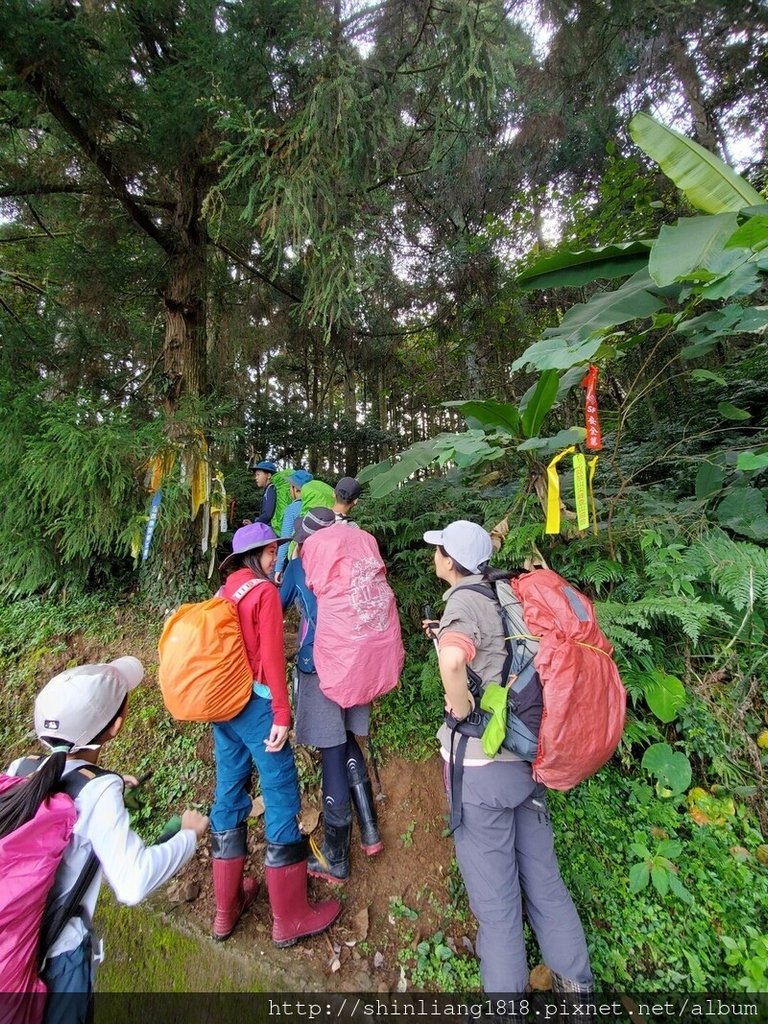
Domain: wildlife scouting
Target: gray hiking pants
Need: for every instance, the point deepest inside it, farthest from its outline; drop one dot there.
(504, 847)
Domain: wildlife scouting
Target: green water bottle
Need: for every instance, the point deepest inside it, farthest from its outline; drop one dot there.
(171, 827)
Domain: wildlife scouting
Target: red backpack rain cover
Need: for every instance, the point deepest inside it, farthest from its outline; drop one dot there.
(29, 857)
(584, 698)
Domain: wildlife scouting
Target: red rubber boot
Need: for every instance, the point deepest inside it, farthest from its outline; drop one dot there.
(294, 917)
(232, 892)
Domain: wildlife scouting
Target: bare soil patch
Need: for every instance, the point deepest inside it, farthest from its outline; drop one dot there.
(360, 952)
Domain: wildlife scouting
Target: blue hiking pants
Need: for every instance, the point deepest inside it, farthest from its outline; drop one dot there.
(67, 977)
(239, 744)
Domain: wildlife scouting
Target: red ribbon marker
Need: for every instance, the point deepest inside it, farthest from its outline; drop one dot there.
(594, 441)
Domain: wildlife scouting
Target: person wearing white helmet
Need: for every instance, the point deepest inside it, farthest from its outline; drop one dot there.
(503, 836)
(76, 714)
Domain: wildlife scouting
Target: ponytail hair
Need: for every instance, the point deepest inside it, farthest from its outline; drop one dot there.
(491, 575)
(19, 803)
(252, 560)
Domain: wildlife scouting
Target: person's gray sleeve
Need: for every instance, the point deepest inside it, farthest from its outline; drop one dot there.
(458, 618)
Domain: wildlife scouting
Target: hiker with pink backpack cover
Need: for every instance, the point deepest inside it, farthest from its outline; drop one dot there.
(350, 653)
(64, 827)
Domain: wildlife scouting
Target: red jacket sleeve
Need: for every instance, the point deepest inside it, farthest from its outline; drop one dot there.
(262, 626)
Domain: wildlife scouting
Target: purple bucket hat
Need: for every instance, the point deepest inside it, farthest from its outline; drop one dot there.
(249, 538)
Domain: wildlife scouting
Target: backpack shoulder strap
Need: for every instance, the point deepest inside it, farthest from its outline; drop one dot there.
(28, 764)
(489, 590)
(73, 782)
(68, 903)
(246, 588)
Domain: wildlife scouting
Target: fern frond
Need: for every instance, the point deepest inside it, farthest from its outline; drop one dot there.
(599, 571)
(738, 570)
(692, 615)
(626, 641)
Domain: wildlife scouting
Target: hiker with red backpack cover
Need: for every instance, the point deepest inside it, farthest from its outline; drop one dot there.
(323, 723)
(64, 826)
(503, 836)
(258, 734)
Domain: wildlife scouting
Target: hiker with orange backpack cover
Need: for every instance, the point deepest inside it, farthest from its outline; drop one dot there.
(258, 735)
(504, 842)
(64, 814)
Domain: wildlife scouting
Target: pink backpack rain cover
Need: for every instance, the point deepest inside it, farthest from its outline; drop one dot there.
(358, 648)
(584, 698)
(29, 857)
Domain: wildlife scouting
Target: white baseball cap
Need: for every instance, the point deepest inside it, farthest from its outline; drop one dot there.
(466, 543)
(78, 703)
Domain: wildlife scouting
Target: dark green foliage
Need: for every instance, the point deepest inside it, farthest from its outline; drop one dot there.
(68, 489)
(372, 180)
(649, 942)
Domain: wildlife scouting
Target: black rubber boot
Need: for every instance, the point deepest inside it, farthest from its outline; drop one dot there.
(362, 799)
(330, 861)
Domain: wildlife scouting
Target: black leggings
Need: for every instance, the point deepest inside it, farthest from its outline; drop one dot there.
(336, 762)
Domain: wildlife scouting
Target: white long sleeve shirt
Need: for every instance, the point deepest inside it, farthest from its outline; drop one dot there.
(131, 868)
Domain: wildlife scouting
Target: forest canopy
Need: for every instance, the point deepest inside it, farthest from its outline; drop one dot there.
(307, 231)
(501, 260)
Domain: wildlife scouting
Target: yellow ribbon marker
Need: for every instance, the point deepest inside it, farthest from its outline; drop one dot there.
(580, 490)
(592, 467)
(200, 489)
(553, 492)
(160, 466)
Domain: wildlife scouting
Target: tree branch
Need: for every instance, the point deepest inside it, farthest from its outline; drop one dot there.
(101, 159)
(54, 188)
(256, 272)
(32, 238)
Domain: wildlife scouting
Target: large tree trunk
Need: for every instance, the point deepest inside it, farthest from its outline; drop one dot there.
(180, 554)
(185, 350)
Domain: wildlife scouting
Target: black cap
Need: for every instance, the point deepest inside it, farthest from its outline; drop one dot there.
(316, 519)
(347, 489)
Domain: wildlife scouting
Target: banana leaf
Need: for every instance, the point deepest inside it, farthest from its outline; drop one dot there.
(577, 267)
(707, 182)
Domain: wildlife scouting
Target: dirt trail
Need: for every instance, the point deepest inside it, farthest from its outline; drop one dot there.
(359, 952)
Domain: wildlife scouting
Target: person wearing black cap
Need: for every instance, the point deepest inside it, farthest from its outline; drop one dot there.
(263, 473)
(321, 722)
(346, 492)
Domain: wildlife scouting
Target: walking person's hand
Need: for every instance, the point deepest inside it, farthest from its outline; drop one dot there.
(196, 821)
(429, 624)
(277, 738)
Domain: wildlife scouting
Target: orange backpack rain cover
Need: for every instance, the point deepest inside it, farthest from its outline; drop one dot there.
(204, 673)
